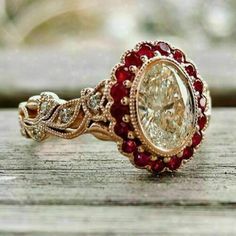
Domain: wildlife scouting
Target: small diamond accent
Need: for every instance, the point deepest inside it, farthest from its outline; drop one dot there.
(65, 115)
(94, 101)
(37, 133)
(44, 108)
(47, 103)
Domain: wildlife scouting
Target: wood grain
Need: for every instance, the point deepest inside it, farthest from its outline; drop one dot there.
(116, 220)
(85, 186)
(24, 73)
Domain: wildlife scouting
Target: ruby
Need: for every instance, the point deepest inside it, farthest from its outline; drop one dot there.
(202, 103)
(118, 111)
(191, 70)
(174, 163)
(202, 120)
(187, 152)
(129, 146)
(197, 138)
(178, 55)
(198, 85)
(118, 91)
(141, 158)
(121, 129)
(132, 59)
(158, 166)
(146, 50)
(163, 48)
(122, 73)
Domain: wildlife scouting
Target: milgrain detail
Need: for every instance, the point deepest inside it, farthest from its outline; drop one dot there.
(47, 114)
(140, 150)
(110, 111)
(134, 106)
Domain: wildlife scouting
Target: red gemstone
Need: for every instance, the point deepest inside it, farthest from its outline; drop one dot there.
(132, 59)
(129, 146)
(187, 153)
(118, 111)
(118, 91)
(202, 121)
(202, 102)
(198, 85)
(191, 70)
(197, 138)
(122, 73)
(178, 55)
(121, 129)
(174, 163)
(141, 158)
(158, 166)
(146, 50)
(163, 48)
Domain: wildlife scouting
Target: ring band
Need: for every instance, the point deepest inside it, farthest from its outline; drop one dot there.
(155, 106)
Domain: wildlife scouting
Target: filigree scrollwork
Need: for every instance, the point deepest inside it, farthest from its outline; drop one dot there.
(47, 114)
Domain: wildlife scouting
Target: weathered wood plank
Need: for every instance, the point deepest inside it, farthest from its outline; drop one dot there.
(116, 220)
(87, 171)
(28, 72)
(85, 186)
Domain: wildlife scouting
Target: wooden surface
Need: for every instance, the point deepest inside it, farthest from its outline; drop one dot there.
(24, 73)
(85, 187)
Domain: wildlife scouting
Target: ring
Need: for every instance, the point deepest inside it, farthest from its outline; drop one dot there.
(155, 106)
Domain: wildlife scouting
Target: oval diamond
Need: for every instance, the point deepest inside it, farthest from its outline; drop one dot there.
(165, 106)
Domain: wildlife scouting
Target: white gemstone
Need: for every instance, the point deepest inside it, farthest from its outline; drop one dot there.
(65, 115)
(94, 101)
(165, 106)
(44, 108)
(37, 133)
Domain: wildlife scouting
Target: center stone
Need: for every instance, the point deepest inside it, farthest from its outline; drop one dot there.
(165, 106)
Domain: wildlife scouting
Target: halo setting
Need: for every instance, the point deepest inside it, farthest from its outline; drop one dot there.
(168, 109)
(155, 106)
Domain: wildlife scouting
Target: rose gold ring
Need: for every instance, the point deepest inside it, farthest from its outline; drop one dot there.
(155, 106)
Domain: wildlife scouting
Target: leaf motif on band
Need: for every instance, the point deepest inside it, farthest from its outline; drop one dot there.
(47, 114)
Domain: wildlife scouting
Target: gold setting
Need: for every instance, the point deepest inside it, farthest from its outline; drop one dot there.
(133, 107)
(41, 116)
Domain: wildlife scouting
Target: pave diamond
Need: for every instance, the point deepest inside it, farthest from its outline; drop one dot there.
(165, 106)
(37, 133)
(48, 101)
(94, 101)
(44, 108)
(65, 115)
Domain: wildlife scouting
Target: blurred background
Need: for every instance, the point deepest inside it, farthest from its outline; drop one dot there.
(65, 45)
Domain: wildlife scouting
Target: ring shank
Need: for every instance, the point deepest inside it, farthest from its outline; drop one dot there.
(48, 115)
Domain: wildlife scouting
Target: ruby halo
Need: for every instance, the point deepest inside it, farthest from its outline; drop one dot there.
(159, 105)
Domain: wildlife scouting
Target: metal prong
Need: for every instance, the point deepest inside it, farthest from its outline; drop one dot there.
(140, 149)
(125, 101)
(166, 159)
(153, 158)
(157, 53)
(144, 58)
(126, 118)
(134, 69)
(180, 154)
(127, 83)
(131, 135)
